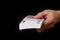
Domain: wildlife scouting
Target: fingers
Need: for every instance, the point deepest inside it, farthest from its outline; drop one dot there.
(45, 28)
(49, 22)
(38, 30)
(40, 15)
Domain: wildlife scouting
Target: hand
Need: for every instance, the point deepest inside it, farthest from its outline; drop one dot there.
(51, 18)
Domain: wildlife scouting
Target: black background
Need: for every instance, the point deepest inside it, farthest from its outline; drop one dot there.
(10, 19)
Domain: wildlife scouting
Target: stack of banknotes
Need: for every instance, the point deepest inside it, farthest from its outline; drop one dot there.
(29, 22)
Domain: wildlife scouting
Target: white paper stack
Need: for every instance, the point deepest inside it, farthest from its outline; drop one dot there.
(30, 23)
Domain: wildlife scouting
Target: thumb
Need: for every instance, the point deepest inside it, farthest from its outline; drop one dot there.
(40, 15)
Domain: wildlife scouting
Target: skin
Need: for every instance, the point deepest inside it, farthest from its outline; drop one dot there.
(51, 18)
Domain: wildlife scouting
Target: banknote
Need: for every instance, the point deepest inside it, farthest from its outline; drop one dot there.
(29, 22)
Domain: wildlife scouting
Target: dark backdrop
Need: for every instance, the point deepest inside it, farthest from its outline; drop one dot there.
(10, 19)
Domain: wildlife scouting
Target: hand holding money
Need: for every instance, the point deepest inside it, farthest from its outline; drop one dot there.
(42, 21)
(51, 18)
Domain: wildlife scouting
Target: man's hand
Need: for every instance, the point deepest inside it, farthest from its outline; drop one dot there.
(51, 18)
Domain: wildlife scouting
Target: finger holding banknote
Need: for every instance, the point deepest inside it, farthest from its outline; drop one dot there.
(51, 18)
